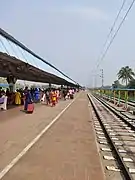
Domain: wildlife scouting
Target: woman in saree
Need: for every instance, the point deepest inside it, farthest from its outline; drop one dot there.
(28, 99)
(18, 98)
(53, 98)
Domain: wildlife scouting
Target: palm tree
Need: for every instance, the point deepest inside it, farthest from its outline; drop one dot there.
(126, 74)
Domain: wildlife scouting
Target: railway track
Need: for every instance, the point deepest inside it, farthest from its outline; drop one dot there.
(117, 135)
(127, 113)
(130, 103)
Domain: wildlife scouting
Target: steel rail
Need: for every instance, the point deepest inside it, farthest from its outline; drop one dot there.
(130, 103)
(120, 161)
(116, 113)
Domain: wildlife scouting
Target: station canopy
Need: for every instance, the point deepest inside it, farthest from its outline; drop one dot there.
(17, 60)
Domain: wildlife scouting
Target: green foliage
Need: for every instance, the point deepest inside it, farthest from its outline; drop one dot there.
(126, 74)
(131, 84)
(117, 84)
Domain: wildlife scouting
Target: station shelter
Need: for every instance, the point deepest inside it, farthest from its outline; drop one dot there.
(19, 62)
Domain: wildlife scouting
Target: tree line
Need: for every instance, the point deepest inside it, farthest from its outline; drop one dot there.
(127, 77)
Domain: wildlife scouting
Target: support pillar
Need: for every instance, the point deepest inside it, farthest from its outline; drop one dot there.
(50, 85)
(126, 100)
(119, 97)
(11, 81)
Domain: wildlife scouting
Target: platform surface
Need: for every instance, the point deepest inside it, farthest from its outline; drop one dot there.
(67, 151)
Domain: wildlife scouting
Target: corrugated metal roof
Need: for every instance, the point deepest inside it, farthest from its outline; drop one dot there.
(9, 37)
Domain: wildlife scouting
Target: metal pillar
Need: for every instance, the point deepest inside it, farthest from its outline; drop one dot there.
(11, 81)
(50, 85)
(102, 76)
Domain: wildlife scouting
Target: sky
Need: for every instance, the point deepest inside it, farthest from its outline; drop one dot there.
(70, 34)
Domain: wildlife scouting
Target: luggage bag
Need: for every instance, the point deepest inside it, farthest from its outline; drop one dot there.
(71, 96)
(30, 108)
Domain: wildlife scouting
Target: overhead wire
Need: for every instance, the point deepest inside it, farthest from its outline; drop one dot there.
(112, 27)
(115, 34)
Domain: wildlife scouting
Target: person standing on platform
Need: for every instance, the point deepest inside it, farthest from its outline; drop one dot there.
(37, 95)
(47, 96)
(73, 91)
(53, 98)
(8, 94)
(18, 98)
(64, 94)
(32, 93)
(70, 93)
(57, 95)
(28, 98)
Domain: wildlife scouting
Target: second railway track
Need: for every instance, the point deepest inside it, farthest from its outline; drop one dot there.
(118, 133)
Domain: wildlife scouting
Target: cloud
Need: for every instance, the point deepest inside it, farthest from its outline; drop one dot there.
(88, 13)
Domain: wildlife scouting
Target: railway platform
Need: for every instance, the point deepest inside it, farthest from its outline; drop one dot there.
(53, 143)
